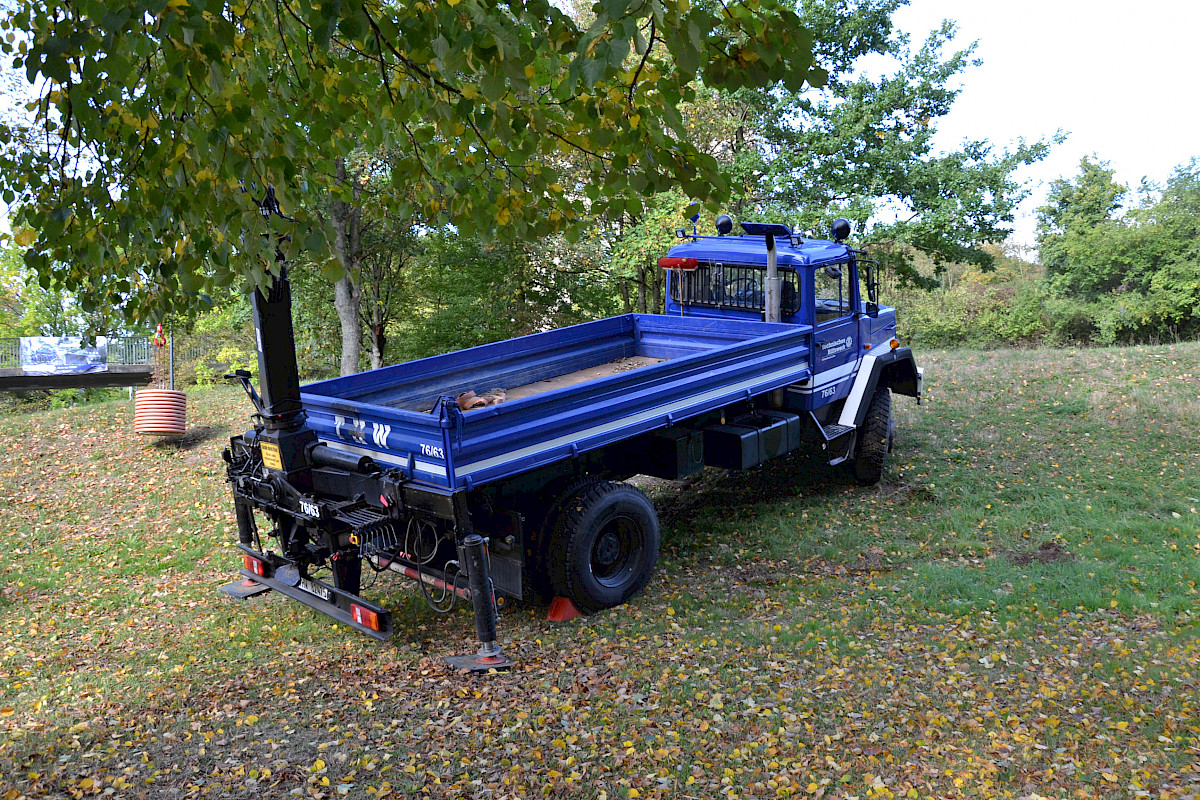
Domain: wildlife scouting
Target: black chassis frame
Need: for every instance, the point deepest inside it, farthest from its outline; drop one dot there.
(329, 525)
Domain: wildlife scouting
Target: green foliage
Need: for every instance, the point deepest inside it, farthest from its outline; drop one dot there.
(315, 322)
(864, 149)
(69, 398)
(38, 400)
(29, 309)
(212, 365)
(652, 236)
(1138, 271)
(1080, 239)
(12, 301)
(459, 298)
(165, 120)
(220, 339)
(462, 292)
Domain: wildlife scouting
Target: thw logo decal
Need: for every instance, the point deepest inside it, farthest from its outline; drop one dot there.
(380, 433)
(353, 429)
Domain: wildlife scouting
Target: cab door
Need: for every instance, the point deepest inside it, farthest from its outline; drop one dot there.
(836, 339)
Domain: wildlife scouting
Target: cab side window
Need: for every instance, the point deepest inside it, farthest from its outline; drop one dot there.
(831, 285)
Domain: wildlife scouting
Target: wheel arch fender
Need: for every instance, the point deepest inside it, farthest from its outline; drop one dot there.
(896, 370)
(900, 373)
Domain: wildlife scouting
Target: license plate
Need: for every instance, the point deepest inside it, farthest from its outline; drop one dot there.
(312, 587)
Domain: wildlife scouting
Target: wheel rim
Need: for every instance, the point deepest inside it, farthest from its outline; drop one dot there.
(616, 552)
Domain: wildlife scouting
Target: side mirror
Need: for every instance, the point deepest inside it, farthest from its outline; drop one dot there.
(840, 229)
(872, 310)
(833, 271)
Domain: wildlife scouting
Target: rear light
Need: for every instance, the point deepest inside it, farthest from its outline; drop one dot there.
(673, 262)
(364, 616)
(254, 565)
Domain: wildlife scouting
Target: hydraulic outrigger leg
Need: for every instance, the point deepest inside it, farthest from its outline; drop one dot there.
(246, 587)
(473, 553)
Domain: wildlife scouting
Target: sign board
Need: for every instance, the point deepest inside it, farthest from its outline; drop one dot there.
(62, 355)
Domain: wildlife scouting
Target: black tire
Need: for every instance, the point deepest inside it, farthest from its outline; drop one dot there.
(604, 546)
(543, 514)
(874, 439)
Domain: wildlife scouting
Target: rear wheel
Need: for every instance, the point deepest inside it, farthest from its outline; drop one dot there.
(604, 546)
(544, 513)
(874, 439)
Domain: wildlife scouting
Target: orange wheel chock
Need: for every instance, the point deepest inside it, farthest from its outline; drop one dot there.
(562, 610)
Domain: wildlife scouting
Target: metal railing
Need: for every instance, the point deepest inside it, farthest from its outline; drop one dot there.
(122, 350)
(10, 352)
(130, 350)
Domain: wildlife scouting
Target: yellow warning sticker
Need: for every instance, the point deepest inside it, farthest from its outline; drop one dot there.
(270, 454)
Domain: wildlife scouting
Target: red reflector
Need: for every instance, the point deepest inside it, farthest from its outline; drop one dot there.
(253, 564)
(364, 616)
(673, 262)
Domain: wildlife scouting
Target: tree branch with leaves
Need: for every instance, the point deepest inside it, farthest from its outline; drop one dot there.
(172, 114)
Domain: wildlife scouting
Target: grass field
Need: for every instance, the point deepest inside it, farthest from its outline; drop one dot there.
(1013, 612)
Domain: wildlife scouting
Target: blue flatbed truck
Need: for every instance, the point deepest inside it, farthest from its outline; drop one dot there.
(524, 498)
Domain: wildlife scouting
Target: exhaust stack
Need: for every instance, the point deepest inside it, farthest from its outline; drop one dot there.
(774, 282)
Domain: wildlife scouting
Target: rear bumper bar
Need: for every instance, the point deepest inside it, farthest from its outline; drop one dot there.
(337, 606)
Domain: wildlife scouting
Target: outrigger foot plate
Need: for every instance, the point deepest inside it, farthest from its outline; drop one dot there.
(478, 662)
(242, 589)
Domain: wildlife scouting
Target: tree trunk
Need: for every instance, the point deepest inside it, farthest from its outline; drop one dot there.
(347, 297)
(625, 295)
(641, 300)
(378, 341)
(657, 272)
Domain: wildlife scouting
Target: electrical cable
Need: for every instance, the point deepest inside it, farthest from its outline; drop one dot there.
(419, 546)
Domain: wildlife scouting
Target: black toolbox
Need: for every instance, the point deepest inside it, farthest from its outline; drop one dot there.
(751, 439)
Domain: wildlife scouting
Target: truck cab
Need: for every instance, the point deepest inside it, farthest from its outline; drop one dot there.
(824, 284)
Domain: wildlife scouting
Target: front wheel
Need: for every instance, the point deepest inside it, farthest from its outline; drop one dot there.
(874, 439)
(604, 546)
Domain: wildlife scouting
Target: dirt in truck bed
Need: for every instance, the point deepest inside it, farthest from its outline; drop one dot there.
(563, 381)
(580, 376)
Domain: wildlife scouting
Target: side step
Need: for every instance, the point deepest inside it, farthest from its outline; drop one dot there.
(834, 431)
(836, 439)
(831, 432)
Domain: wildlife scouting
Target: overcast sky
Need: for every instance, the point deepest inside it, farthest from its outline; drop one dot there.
(1121, 79)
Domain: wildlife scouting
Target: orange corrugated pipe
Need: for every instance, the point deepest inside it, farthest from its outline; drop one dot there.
(159, 412)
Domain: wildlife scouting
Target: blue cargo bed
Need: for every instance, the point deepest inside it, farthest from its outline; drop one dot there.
(681, 367)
